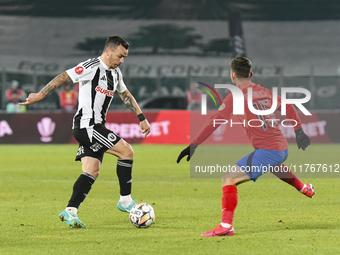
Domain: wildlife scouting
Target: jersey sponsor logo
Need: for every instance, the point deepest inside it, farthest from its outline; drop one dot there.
(79, 70)
(82, 76)
(109, 93)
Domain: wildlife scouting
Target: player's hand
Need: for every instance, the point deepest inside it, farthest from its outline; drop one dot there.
(33, 98)
(188, 151)
(302, 139)
(145, 127)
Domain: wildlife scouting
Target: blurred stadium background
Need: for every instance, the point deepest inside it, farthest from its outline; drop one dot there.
(291, 43)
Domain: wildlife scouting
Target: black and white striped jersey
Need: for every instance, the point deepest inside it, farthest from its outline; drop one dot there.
(97, 85)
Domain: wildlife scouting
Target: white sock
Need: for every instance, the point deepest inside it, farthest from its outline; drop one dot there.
(225, 225)
(72, 210)
(126, 200)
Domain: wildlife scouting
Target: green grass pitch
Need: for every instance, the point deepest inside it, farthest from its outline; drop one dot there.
(271, 218)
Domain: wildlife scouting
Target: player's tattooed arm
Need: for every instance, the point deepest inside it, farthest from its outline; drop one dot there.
(55, 83)
(52, 85)
(130, 102)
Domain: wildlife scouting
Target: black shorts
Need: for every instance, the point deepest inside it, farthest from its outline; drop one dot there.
(94, 141)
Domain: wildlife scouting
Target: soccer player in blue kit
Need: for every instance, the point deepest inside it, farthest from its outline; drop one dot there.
(271, 147)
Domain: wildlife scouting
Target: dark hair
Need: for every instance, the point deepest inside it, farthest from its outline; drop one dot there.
(241, 66)
(114, 41)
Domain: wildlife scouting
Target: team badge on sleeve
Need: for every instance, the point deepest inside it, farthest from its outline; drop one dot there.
(79, 70)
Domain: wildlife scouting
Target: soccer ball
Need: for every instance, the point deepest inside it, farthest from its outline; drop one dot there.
(142, 215)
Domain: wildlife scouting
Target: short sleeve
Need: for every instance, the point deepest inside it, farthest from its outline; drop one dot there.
(121, 87)
(80, 73)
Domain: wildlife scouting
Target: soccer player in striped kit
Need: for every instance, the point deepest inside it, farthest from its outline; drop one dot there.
(98, 79)
(271, 147)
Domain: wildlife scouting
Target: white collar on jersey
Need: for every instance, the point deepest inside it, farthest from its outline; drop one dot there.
(104, 65)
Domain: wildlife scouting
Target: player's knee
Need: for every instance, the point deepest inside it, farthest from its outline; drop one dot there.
(128, 152)
(95, 173)
(91, 167)
(229, 181)
(92, 172)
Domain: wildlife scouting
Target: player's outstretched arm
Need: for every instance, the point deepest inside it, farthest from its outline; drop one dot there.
(132, 104)
(302, 139)
(188, 151)
(52, 85)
